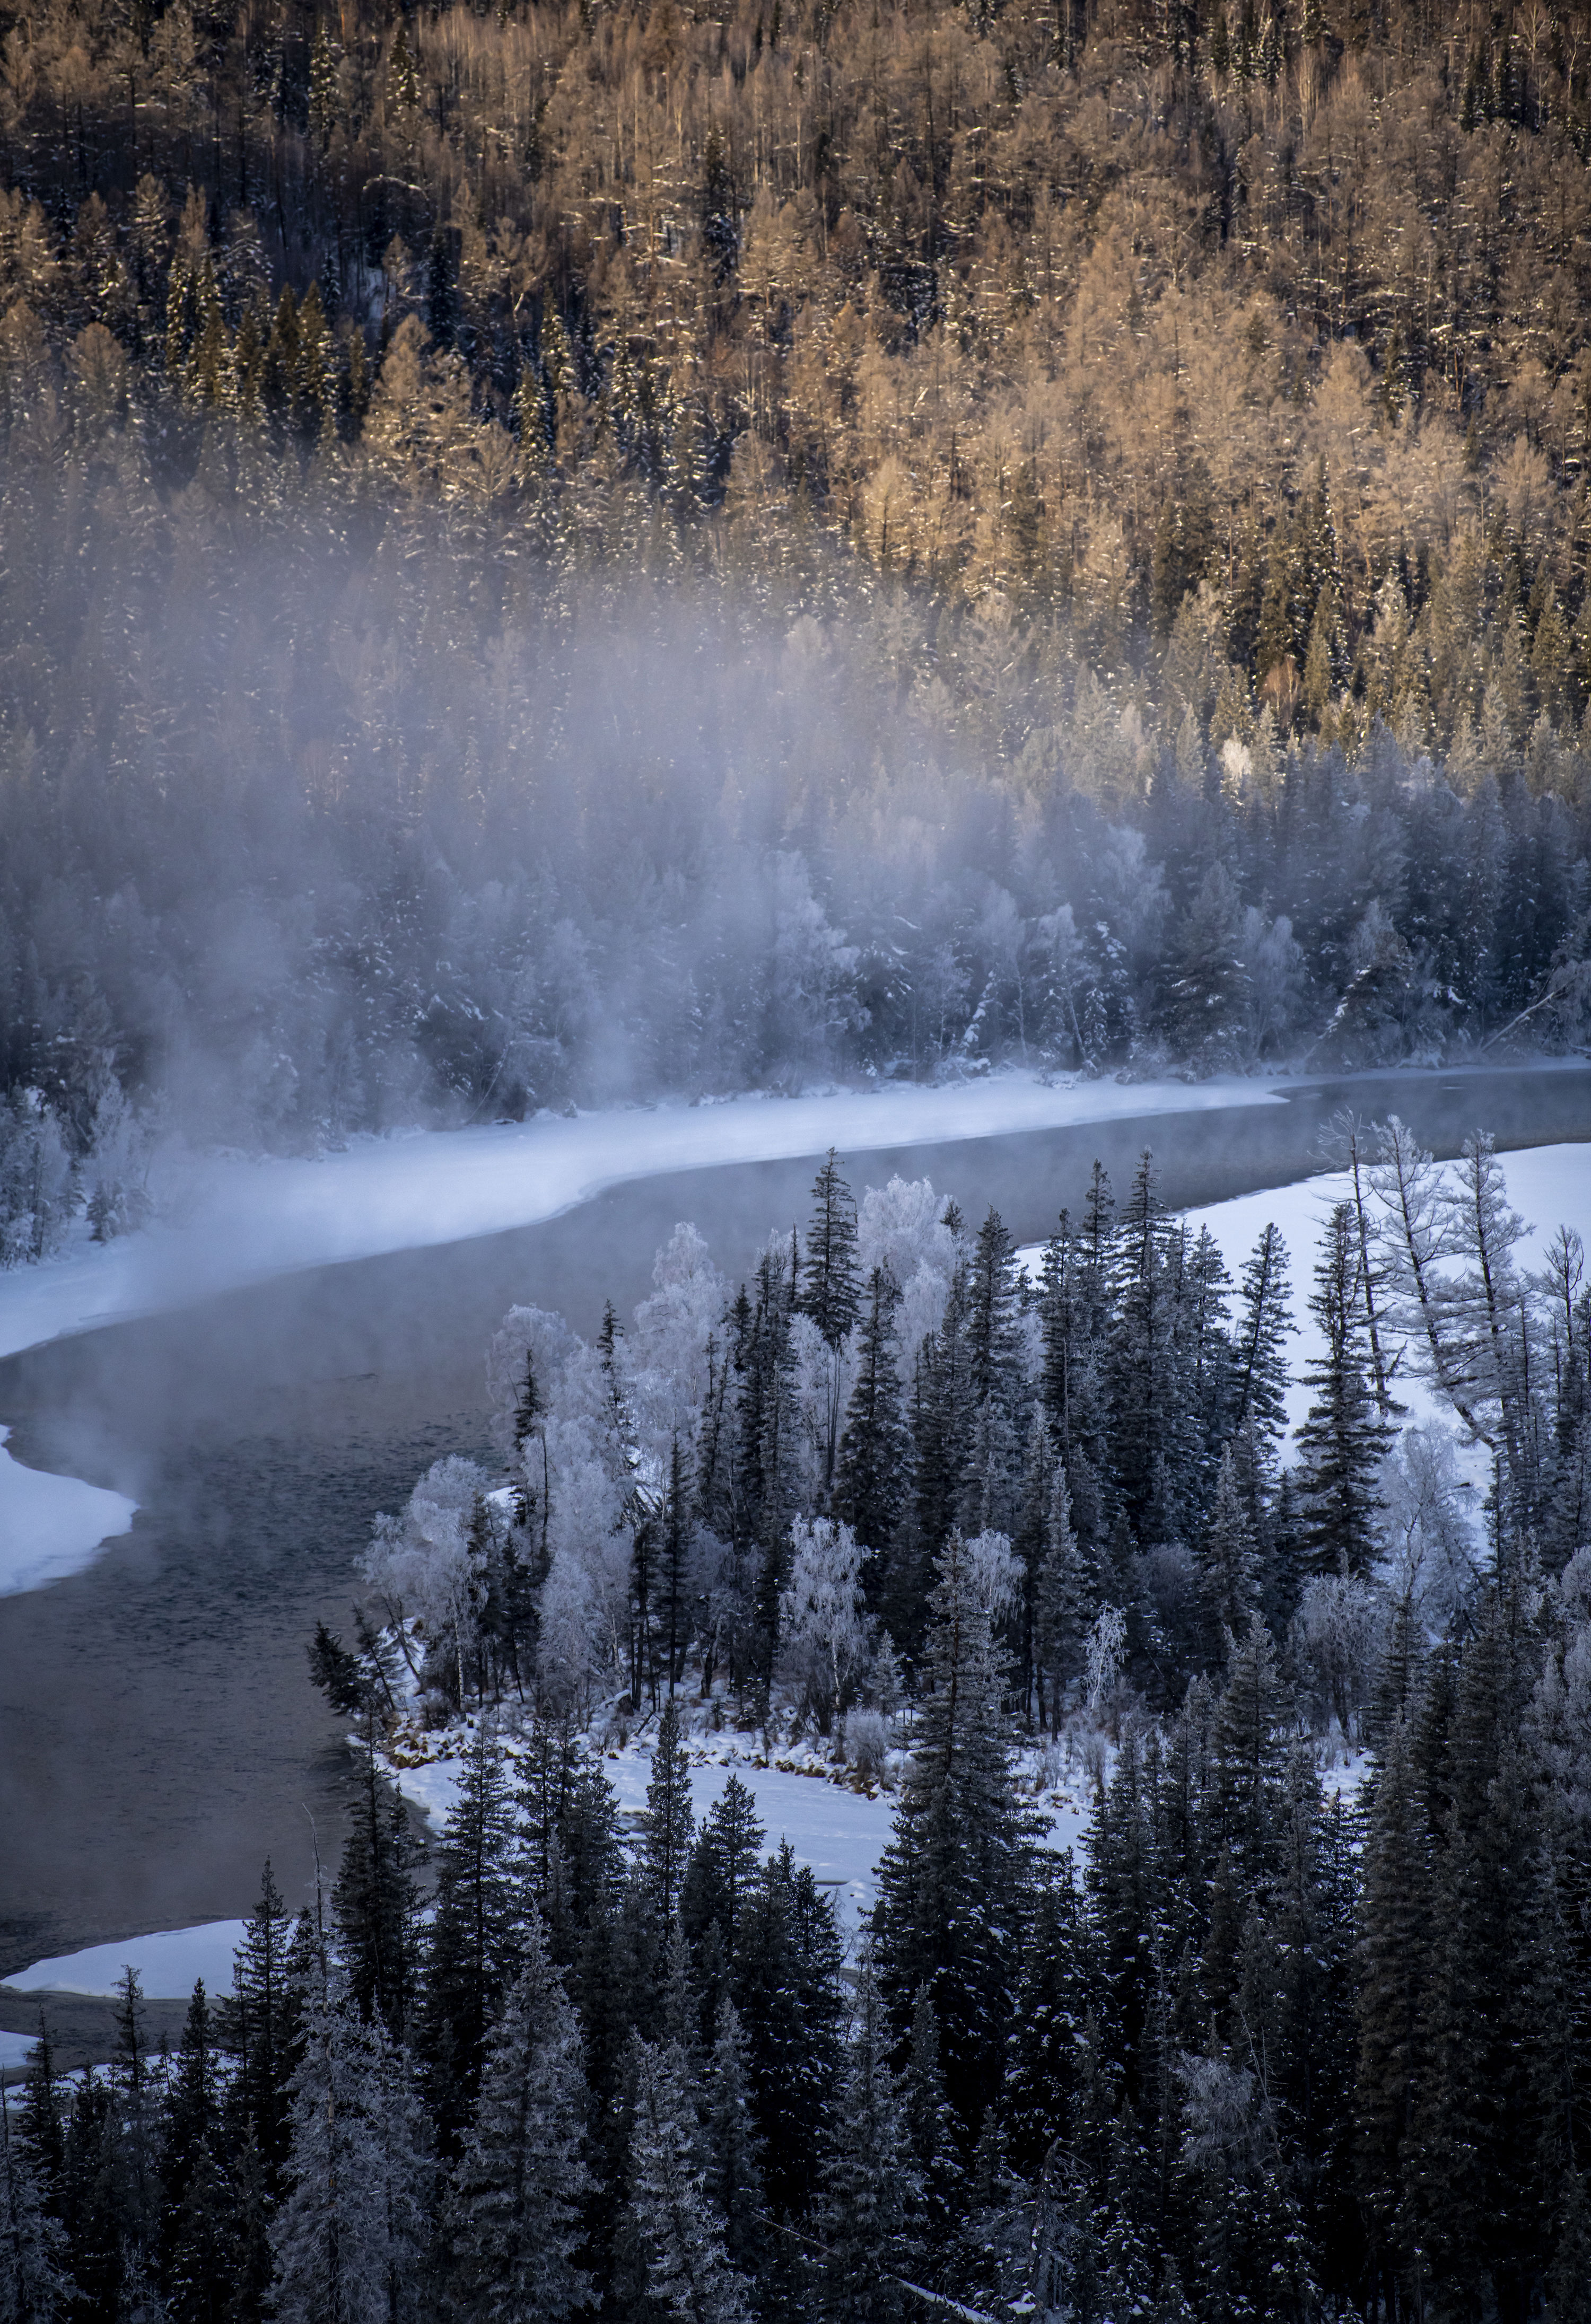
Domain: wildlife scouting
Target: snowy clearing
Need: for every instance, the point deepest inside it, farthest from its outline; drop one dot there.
(228, 1222)
(50, 1526)
(841, 1832)
(167, 1964)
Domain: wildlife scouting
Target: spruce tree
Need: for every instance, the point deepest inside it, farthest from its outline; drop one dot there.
(349, 2233)
(681, 2234)
(956, 1880)
(514, 2210)
(721, 1876)
(669, 1822)
(734, 2177)
(1343, 1439)
(474, 1946)
(871, 1472)
(785, 1980)
(373, 1904)
(830, 1287)
(34, 2287)
(870, 2192)
(262, 2028)
(198, 2227)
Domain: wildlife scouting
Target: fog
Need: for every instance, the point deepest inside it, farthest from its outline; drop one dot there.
(310, 827)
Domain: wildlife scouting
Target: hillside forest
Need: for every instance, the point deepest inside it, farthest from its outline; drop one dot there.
(566, 552)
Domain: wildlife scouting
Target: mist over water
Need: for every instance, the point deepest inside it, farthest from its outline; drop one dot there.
(161, 1735)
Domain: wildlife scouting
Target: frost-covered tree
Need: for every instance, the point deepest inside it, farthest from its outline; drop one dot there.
(870, 2188)
(954, 1883)
(515, 2206)
(823, 1626)
(681, 2235)
(34, 2287)
(351, 2229)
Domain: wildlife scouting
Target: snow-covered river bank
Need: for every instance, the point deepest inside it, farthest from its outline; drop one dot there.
(158, 1734)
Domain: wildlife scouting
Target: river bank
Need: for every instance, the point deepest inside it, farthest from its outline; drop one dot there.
(158, 1733)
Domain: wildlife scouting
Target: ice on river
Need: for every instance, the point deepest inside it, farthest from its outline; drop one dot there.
(167, 1964)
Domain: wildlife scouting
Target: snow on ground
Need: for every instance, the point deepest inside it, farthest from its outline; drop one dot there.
(839, 1831)
(167, 1964)
(14, 2049)
(227, 1221)
(50, 1525)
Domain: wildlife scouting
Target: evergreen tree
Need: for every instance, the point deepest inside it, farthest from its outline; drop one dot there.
(687, 2271)
(870, 2192)
(1343, 1440)
(373, 1904)
(785, 1980)
(721, 1876)
(955, 1881)
(474, 1933)
(262, 2028)
(669, 1822)
(1045, 2035)
(871, 1475)
(830, 1288)
(514, 2210)
(200, 2235)
(734, 2179)
(349, 2233)
(33, 2288)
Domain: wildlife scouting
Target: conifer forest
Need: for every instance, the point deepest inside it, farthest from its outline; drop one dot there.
(560, 553)
(1275, 2043)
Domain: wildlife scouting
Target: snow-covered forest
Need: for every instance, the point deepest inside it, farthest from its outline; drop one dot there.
(1304, 2033)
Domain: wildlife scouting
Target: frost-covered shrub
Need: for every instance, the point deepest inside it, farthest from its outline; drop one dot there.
(867, 1742)
(1336, 1639)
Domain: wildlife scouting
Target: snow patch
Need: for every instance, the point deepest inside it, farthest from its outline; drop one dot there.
(167, 1964)
(51, 1526)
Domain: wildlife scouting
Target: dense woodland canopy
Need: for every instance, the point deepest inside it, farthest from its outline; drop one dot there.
(570, 552)
(1271, 2050)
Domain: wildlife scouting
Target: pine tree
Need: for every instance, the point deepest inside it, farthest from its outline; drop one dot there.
(721, 1876)
(669, 1825)
(830, 1290)
(785, 1979)
(687, 2271)
(1046, 2028)
(734, 2177)
(375, 1904)
(34, 2287)
(1343, 1438)
(993, 1384)
(261, 2027)
(870, 2192)
(1259, 1367)
(349, 2235)
(198, 2228)
(473, 1951)
(870, 1476)
(956, 1880)
(514, 2210)
(1229, 1561)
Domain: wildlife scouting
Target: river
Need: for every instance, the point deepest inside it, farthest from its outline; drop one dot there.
(159, 1736)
